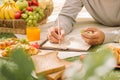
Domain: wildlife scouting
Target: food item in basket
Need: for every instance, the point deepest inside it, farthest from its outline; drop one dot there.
(28, 48)
(35, 2)
(32, 12)
(46, 3)
(32, 15)
(17, 15)
(21, 4)
(29, 8)
(29, 2)
(8, 10)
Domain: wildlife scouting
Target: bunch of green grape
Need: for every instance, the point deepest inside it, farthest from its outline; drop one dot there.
(32, 17)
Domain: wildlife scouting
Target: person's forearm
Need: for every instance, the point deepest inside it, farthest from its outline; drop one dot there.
(66, 23)
(68, 14)
(112, 36)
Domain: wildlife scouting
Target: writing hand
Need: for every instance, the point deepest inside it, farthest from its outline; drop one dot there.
(56, 35)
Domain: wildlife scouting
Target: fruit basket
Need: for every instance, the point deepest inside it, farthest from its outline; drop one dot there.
(17, 24)
(48, 11)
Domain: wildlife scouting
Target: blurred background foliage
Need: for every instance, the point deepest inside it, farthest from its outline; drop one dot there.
(98, 57)
(97, 65)
(18, 66)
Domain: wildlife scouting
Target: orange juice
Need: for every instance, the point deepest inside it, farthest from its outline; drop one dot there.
(33, 33)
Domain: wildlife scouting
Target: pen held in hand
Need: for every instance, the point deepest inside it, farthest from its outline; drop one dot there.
(59, 33)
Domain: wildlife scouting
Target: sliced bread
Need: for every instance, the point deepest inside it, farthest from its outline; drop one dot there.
(48, 63)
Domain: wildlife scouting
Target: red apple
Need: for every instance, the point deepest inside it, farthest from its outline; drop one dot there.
(34, 0)
(29, 3)
(17, 15)
(19, 11)
(29, 8)
(35, 3)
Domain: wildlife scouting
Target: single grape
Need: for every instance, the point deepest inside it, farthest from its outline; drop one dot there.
(30, 13)
(35, 17)
(40, 17)
(34, 22)
(24, 10)
(30, 21)
(27, 19)
(41, 14)
(31, 17)
(24, 16)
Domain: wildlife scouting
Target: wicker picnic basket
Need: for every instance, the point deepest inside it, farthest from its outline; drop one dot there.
(18, 26)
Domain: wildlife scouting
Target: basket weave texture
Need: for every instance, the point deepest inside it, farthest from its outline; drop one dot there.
(18, 26)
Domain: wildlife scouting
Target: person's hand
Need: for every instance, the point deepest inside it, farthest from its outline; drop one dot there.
(93, 36)
(56, 35)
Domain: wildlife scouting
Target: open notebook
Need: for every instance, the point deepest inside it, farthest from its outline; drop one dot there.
(71, 42)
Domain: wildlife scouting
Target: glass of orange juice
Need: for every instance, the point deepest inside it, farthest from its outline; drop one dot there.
(33, 33)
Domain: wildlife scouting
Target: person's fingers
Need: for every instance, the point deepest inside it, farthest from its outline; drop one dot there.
(54, 36)
(53, 32)
(52, 39)
(61, 39)
(62, 34)
(91, 41)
